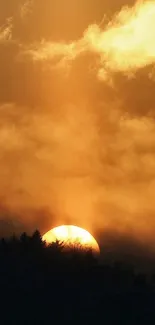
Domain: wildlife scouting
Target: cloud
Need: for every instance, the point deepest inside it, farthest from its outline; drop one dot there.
(26, 8)
(6, 31)
(124, 45)
(77, 135)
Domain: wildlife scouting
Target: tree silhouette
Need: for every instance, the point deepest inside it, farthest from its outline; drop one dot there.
(36, 240)
(70, 285)
(24, 238)
(56, 246)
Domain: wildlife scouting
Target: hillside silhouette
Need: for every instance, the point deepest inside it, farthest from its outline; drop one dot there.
(46, 284)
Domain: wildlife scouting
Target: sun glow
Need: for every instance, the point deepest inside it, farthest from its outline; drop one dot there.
(72, 235)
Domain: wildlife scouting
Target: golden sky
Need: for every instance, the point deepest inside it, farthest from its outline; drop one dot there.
(77, 110)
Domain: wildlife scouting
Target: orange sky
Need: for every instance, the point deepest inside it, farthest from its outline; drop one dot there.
(77, 131)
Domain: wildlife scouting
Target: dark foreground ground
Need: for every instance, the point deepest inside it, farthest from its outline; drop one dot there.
(44, 285)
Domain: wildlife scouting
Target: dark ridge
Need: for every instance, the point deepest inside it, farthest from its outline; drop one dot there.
(46, 284)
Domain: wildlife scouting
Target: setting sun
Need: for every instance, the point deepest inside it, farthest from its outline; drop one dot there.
(72, 235)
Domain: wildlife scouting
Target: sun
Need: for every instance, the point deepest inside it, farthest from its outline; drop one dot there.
(72, 235)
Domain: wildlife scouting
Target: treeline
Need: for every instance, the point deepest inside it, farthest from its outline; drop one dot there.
(32, 248)
(42, 284)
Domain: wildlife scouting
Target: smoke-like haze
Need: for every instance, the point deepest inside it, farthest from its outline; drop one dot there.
(77, 103)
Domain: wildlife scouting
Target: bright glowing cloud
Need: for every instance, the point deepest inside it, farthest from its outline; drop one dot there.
(6, 30)
(125, 44)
